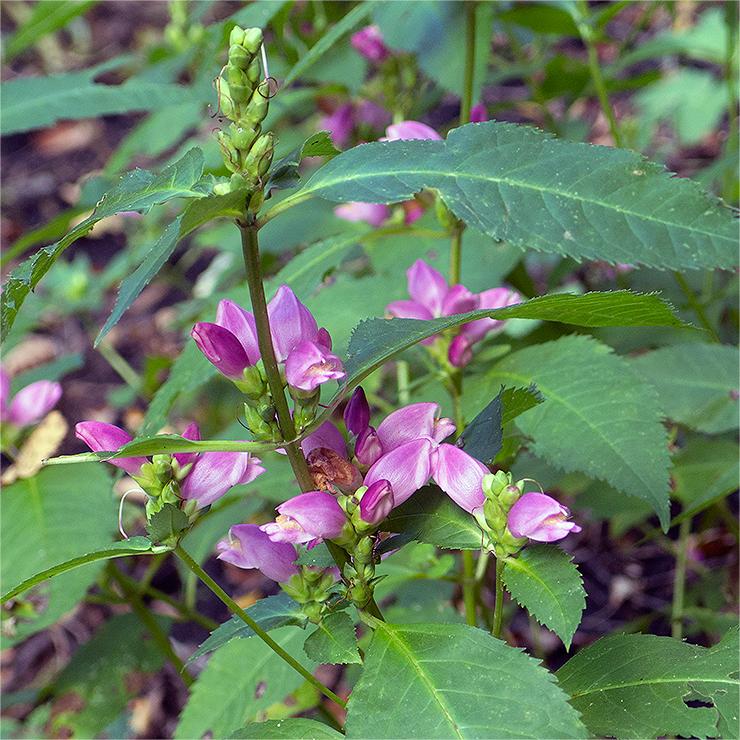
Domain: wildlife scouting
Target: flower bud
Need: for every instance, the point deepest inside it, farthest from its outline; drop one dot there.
(494, 483)
(369, 43)
(252, 383)
(239, 57)
(541, 518)
(368, 448)
(33, 402)
(376, 502)
(236, 37)
(221, 348)
(252, 40)
(357, 413)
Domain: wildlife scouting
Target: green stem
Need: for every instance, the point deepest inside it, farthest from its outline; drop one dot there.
(498, 607)
(151, 624)
(456, 254)
(696, 306)
(595, 69)
(283, 205)
(468, 586)
(679, 579)
(402, 378)
(119, 364)
(235, 609)
(732, 10)
(467, 97)
(251, 253)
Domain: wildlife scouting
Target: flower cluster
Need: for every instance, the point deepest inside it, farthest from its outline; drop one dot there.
(198, 479)
(301, 347)
(432, 297)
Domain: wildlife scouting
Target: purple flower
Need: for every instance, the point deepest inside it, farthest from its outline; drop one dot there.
(418, 420)
(327, 436)
(290, 322)
(309, 365)
(357, 412)
(221, 348)
(192, 431)
(340, 124)
(377, 502)
(30, 404)
(478, 113)
(368, 448)
(460, 476)
(214, 473)
(541, 518)
(247, 546)
(372, 115)
(407, 468)
(368, 41)
(307, 518)
(409, 130)
(492, 298)
(102, 437)
(374, 214)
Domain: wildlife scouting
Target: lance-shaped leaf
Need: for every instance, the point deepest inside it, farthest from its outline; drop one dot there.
(333, 641)
(522, 186)
(454, 681)
(637, 686)
(136, 191)
(546, 582)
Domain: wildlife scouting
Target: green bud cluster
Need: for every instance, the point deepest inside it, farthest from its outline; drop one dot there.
(305, 406)
(259, 411)
(160, 480)
(501, 494)
(243, 98)
(311, 588)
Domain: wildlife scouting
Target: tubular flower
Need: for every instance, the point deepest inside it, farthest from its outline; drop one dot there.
(410, 130)
(307, 518)
(101, 437)
(406, 468)
(214, 473)
(369, 43)
(377, 502)
(30, 404)
(309, 365)
(460, 476)
(541, 518)
(247, 546)
(431, 297)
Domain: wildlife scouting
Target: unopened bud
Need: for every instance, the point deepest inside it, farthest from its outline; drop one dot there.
(239, 56)
(236, 36)
(260, 155)
(256, 109)
(242, 138)
(252, 40)
(253, 384)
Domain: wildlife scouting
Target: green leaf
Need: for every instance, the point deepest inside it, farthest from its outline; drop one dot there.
(541, 18)
(375, 341)
(269, 613)
(545, 581)
(136, 191)
(241, 680)
(167, 523)
(703, 473)
(290, 729)
(326, 42)
(454, 681)
(636, 686)
(483, 437)
(131, 546)
(697, 384)
(99, 675)
(516, 401)
(36, 102)
(333, 641)
(431, 516)
(598, 417)
(45, 18)
(284, 172)
(522, 186)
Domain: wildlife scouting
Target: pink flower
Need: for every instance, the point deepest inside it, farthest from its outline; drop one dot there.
(478, 113)
(214, 473)
(407, 468)
(372, 115)
(340, 124)
(309, 365)
(30, 404)
(247, 546)
(418, 420)
(368, 41)
(374, 214)
(377, 502)
(368, 448)
(541, 518)
(357, 412)
(307, 518)
(410, 130)
(460, 476)
(221, 348)
(290, 322)
(327, 436)
(192, 431)
(101, 437)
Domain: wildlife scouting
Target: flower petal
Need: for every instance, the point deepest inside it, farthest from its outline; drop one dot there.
(460, 476)
(33, 402)
(427, 286)
(249, 547)
(309, 365)
(327, 435)
(221, 348)
(407, 469)
(215, 473)
(408, 130)
(374, 214)
(407, 423)
(102, 437)
(241, 324)
(290, 322)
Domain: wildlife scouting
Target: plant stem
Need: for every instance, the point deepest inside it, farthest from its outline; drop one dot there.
(679, 579)
(697, 307)
(466, 102)
(456, 254)
(595, 69)
(402, 378)
(468, 586)
(151, 624)
(251, 253)
(498, 607)
(729, 189)
(235, 609)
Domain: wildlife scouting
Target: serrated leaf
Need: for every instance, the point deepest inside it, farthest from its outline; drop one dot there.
(242, 679)
(336, 31)
(100, 673)
(522, 186)
(599, 417)
(635, 686)
(516, 401)
(454, 681)
(167, 523)
(269, 613)
(290, 729)
(36, 102)
(136, 191)
(333, 641)
(482, 438)
(431, 516)
(284, 172)
(697, 384)
(546, 582)
(376, 340)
